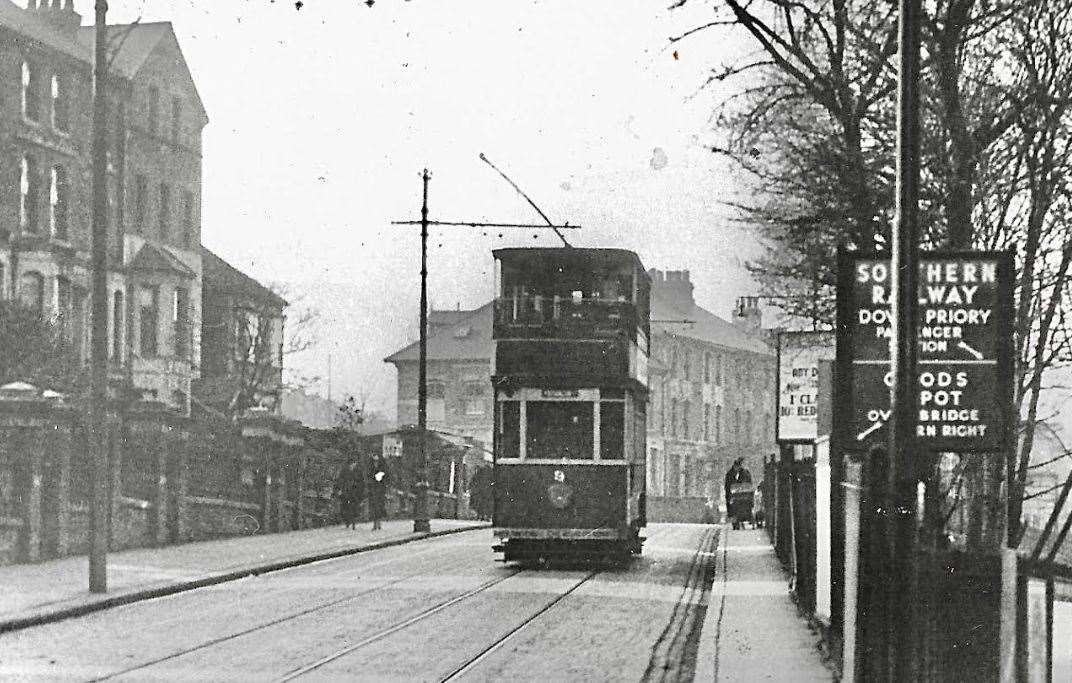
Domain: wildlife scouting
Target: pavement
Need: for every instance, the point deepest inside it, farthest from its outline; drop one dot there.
(752, 630)
(58, 589)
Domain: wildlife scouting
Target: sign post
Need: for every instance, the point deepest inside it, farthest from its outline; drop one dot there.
(958, 397)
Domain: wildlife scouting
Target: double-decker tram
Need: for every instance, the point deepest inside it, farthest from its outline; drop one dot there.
(570, 383)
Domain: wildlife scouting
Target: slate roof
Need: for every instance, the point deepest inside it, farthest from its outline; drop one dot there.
(436, 318)
(221, 276)
(35, 27)
(447, 343)
(158, 259)
(705, 325)
(137, 40)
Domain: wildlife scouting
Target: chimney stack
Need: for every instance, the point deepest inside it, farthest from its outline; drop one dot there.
(748, 314)
(675, 285)
(59, 13)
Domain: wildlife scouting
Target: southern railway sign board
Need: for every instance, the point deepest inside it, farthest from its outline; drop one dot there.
(964, 352)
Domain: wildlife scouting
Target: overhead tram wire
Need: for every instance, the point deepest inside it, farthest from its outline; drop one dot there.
(471, 224)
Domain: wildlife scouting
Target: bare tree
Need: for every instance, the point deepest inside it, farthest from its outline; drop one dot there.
(266, 331)
(813, 122)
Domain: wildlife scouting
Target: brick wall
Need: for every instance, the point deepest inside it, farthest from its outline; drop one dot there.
(172, 480)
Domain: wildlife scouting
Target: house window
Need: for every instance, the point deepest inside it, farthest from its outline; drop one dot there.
(3, 281)
(687, 362)
(737, 425)
(154, 109)
(176, 120)
(685, 419)
(64, 305)
(32, 291)
(673, 417)
(58, 202)
(117, 325)
(707, 368)
(28, 192)
(31, 100)
(246, 325)
(148, 319)
(718, 424)
(706, 421)
(141, 201)
(718, 370)
(165, 209)
(436, 405)
(474, 398)
(181, 320)
(61, 118)
(187, 218)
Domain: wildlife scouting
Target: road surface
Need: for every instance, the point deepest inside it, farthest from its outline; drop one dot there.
(438, 609)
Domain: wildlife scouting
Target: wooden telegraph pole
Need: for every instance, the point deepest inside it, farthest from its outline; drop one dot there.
(420, 504)
(905, 460)
(98, 396)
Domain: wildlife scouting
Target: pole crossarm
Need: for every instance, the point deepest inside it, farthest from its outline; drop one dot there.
(477, 224)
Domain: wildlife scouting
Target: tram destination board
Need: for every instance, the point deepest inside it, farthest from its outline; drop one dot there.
(964, 349)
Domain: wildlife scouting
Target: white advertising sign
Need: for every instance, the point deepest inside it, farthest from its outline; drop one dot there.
(799, 354)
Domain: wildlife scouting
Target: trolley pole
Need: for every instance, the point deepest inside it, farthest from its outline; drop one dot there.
(905, 459)
(98, 397)
(420, 501)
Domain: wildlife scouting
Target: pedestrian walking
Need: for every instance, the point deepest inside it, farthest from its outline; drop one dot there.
(350, 488)
(738, 490)
(378, 478)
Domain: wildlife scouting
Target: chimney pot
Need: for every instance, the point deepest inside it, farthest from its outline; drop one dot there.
(685, 275)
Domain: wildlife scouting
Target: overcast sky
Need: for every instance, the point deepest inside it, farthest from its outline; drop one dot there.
(322, 118)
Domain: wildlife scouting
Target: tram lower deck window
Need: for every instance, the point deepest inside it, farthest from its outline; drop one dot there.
(509, 429)
(611, 431)
(559, 429)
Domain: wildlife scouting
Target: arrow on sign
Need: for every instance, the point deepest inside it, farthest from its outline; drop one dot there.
(978, 356)
(873, 428)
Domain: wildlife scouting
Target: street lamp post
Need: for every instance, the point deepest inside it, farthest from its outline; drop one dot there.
(98, 396)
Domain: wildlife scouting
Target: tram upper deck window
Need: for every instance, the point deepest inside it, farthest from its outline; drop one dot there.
(559, 429)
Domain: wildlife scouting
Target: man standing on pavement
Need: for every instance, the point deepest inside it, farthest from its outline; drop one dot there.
(377, 490)
(350, 488)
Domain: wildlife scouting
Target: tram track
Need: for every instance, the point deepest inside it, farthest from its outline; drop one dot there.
(485, 653)
(473, 662)
(291, 616)
(673, 655)
(395, 628)
(670, 647)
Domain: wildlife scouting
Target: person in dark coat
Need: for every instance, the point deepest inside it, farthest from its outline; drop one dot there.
(350, 488)
(737, 474)
(480, 492)
(378, 478)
